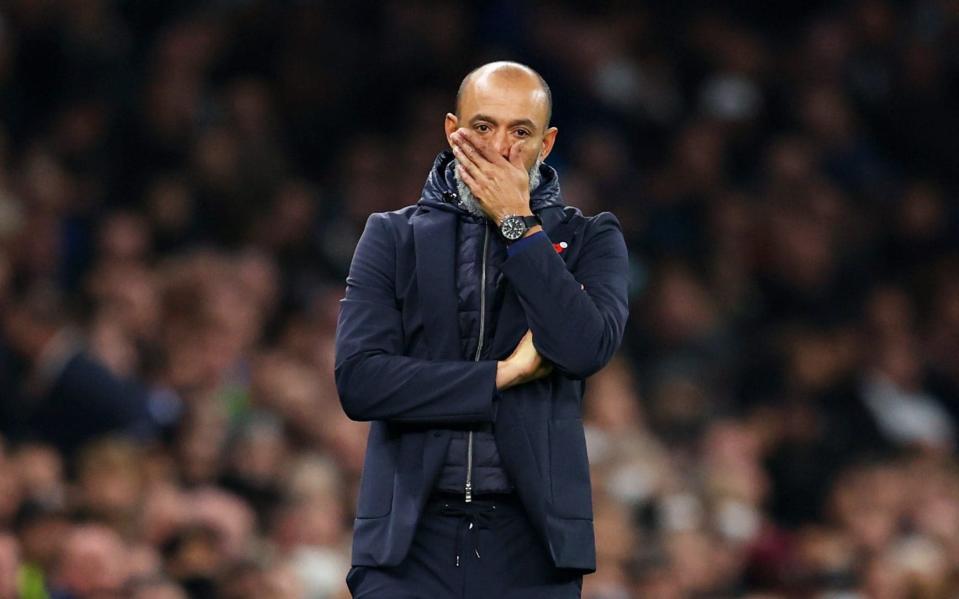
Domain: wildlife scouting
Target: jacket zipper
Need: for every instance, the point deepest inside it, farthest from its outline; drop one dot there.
(479, 349)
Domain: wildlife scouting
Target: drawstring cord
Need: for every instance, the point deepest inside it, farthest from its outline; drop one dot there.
(471, 521)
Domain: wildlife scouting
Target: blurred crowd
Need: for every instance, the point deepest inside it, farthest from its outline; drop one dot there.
(182, 184)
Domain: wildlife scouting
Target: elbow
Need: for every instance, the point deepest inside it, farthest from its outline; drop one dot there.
(581, 368)
(356, 416)
(351, 399)
(583, 360)
(353, 410)
(580, 363)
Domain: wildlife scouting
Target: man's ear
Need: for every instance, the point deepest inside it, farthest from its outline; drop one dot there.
(450, 124)
(549, 138)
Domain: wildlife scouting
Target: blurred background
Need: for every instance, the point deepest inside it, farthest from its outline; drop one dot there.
(182, 185)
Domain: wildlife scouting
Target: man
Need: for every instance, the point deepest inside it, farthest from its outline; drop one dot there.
(470, 323)
(57, 391)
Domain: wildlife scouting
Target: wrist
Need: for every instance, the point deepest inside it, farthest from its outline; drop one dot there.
(532, 231)
(505, 214)
(519, 208)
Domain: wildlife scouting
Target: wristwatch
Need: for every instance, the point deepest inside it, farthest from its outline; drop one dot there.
(513, 227)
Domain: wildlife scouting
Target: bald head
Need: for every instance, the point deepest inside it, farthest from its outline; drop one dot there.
(505, 73)
(505, 108)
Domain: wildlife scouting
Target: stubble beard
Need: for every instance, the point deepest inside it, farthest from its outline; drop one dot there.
(467, 201)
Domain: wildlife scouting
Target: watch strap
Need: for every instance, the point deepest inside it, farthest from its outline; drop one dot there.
(531, 221)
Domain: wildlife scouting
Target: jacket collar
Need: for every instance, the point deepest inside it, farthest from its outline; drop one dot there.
(434, 240)
(439, 190)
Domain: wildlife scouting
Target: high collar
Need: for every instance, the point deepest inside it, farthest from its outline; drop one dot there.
(439, 191)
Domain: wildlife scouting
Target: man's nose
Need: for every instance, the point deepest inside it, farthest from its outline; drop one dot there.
(501, 144)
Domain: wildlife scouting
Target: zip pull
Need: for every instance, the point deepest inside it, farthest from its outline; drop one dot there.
(469, 468)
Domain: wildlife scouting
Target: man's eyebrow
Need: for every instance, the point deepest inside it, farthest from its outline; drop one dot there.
(524, 122)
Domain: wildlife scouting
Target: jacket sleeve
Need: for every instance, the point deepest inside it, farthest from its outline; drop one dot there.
(374, 380)
(577, 317)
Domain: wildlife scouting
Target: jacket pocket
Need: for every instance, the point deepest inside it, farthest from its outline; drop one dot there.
(379, 470)
(376, 497)
(569, 469)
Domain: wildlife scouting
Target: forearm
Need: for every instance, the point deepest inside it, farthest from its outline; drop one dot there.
(399, 388)
(578, 328)
(374, 378)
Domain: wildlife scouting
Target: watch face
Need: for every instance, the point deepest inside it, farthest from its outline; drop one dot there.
(512, 228)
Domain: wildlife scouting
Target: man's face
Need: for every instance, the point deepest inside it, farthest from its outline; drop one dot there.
(504, 110)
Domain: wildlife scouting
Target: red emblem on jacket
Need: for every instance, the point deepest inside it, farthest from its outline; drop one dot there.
(559, 247)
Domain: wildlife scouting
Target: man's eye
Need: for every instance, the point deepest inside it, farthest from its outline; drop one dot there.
(482, 128)
(521, 133)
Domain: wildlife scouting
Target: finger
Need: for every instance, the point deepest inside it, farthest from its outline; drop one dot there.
(461, 147)
(466, 161)
(543, 371)
(523, 345)
(478, 166)
(469, 180)
(481, 149)
(480, 153)
(527, 338)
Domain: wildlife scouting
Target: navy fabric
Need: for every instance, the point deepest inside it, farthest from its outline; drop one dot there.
(470, 551)
(469, 266)
(489, 476)
(488, 473)
(519, 244)
(399, 365)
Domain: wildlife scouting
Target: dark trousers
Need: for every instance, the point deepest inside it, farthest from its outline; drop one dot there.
(480, 550)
